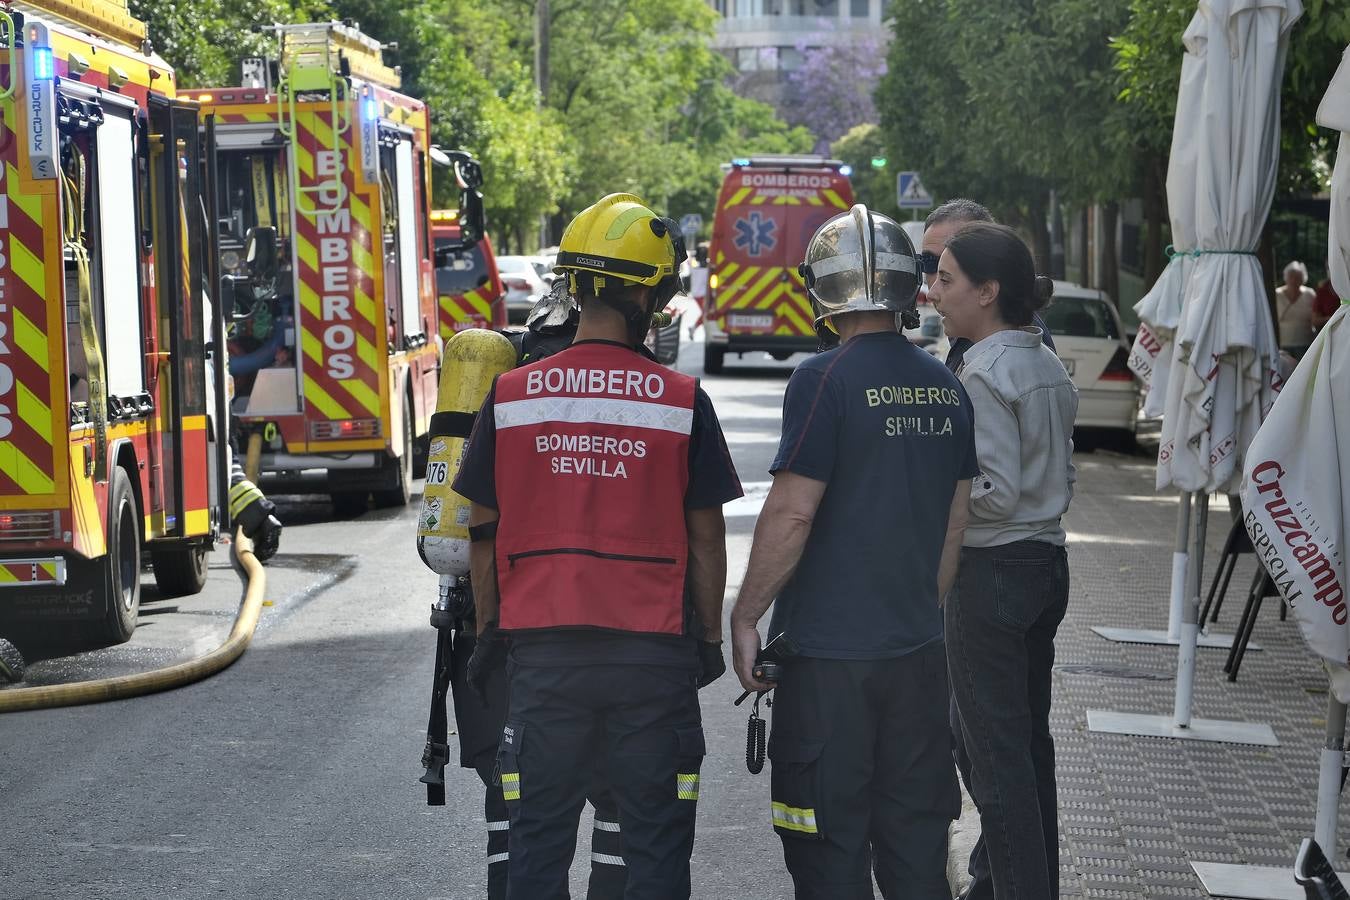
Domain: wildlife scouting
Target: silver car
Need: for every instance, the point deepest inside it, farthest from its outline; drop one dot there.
(521, 281)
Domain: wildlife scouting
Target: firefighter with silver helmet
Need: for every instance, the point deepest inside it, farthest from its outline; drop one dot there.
(596, 478)
(858, 543)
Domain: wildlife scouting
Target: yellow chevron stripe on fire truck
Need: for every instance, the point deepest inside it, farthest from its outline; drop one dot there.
(37, 414)
(748, 296)
(22, 470)
(759, 199)
(771, 296)
(29, 337)
(835, 200)
(317, 396)
(789, 311)
(737, 197)
(28, 265)
(814, 200)
(787, 200)
(31, 204)
(304, 160)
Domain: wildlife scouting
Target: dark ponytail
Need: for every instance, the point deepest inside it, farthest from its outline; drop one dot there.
(989, 252)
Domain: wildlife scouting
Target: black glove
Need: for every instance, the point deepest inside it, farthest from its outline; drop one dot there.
(489, 650)
(268, 542)
(254, 513)
(711, 665)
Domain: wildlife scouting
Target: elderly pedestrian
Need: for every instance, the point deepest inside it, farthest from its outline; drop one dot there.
(1012, 587)
(1294, 302)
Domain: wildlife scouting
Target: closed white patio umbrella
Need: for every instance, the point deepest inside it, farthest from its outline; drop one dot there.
(1221, 378)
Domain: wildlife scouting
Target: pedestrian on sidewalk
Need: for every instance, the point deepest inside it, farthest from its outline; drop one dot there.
(857, 541)
(596, 479)
(938, 228)
(1294, 302)
(1012, 588)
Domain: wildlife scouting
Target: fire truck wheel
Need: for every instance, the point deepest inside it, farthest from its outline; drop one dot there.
(180, 571)
(347, 504)
(712, 359)
(400, 468)
(115, 578)
(421, 447)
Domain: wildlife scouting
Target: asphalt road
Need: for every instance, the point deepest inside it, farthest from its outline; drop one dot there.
(294, 773)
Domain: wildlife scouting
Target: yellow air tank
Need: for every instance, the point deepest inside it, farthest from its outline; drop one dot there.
(473, 358)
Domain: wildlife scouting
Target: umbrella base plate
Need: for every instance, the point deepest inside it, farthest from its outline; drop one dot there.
(1159, 637)
(1250, 882)
(1216, 731)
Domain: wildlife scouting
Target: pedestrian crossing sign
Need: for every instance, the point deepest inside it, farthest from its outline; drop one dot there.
(910, 192)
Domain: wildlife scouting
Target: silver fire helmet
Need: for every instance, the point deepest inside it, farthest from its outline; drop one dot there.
(861, 261)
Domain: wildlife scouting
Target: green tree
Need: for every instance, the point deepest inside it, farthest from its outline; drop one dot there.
(1005, 102)
(874, 187)
(205, 40)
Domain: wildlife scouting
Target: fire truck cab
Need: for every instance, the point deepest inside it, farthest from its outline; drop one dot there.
(106, 320)
(323, 186)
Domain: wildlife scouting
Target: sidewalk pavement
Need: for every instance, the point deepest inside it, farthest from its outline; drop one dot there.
(1134, 811)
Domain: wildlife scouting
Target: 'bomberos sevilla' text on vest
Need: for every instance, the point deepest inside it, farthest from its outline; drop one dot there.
(592, 465)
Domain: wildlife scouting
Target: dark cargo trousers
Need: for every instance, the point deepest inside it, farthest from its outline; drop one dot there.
(480, 728)
(862, 776)
(640, 727)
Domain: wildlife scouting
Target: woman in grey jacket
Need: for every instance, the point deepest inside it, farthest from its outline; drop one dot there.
(1013, 586)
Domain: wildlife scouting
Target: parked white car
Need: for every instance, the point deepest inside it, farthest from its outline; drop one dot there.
(930, 335)
(1090, 341)
(522, 284)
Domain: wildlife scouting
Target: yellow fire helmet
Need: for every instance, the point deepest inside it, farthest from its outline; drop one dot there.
(618, 236)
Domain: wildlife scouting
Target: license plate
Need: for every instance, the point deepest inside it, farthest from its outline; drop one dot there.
(750, 320)
(1068, 364)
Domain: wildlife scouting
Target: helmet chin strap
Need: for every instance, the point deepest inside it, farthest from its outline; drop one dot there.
(637, 317)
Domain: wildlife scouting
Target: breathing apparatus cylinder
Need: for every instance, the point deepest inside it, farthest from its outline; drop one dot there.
(473, 358)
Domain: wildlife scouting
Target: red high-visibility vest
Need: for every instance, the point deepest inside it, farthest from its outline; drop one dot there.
(592, 464)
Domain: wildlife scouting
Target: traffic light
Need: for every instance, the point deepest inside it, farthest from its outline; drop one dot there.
(878, 162)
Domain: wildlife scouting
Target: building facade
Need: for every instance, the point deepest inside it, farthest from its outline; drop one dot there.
(767, 39)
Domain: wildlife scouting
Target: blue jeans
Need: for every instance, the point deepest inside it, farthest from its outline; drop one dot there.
(1001, 620)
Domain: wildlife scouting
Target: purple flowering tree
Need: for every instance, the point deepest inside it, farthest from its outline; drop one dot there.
(832, 90)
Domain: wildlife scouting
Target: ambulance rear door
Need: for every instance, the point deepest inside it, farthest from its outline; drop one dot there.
(749, 254)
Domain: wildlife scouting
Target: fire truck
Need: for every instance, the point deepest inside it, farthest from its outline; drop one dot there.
(106, 299)
(323, 186)
(467, 281)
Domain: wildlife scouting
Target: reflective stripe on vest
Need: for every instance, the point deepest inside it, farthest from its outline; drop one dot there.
(592, 465)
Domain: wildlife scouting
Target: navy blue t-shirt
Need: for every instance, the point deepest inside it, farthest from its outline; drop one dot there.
(890, 431)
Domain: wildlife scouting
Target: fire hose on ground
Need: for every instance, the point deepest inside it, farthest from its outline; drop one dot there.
(177, 675)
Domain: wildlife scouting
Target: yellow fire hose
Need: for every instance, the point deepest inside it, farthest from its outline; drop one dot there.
(253, 457)
(177, 675)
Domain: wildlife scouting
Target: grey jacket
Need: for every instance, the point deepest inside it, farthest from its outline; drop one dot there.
(1025, 405)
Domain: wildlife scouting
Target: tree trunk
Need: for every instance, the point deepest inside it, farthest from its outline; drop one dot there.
(1085, 273)
(1155, 203)
(1040, 234)
(1109, 279)
(1056, 237)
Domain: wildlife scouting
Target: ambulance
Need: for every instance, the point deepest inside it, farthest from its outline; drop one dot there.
(468, 286)
(323, 186)
(107, 302)
(767, 210)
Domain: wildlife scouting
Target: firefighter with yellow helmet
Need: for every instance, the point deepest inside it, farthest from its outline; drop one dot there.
(596, 479)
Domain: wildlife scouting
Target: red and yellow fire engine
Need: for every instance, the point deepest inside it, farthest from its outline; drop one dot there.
(468, 285)
(105, 391)
(323, 211)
